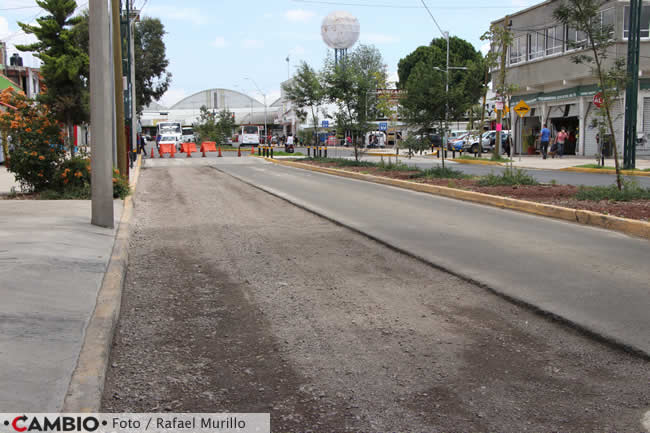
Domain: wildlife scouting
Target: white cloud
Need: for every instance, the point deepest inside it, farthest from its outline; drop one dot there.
(379, 38)
(393, 77)
(172, 96)
(220, 42)
(299, 15)
(485, 48)
(273, 96)
(192, 15)
(252, 43)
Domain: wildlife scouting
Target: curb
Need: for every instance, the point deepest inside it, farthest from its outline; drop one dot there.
(595, 219)
(475, 162)
(605, 171)
(86, 386)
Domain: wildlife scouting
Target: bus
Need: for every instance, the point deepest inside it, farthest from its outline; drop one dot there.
(250, 135)
(169, 129)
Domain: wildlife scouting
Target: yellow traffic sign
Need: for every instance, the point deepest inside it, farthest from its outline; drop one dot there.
(506, 109)
(522, 108)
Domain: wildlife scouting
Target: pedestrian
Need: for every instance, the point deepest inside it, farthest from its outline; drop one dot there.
(544, 138)
(142, 143)
(560, 140)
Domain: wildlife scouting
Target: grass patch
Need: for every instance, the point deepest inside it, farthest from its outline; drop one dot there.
(599, 167)
(508, 178)
(631, 191)
(441, 173)
(68, 194)
(342, 162)
(283, 153)
(499, 158)
(472, 158)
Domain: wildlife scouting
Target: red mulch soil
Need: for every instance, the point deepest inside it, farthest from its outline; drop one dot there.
(559, 195)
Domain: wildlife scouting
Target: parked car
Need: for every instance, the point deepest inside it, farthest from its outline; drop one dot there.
(172, 139)
(488, 141)
(456, 143)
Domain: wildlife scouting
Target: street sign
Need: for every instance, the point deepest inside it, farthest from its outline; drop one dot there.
(522, 108)
(598, 99)
(499, 105)
(383, 126)
(326, 123)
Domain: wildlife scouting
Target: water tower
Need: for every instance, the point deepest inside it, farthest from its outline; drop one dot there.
(340, 30)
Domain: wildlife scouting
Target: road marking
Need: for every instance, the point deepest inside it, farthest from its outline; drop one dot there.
(646, 421)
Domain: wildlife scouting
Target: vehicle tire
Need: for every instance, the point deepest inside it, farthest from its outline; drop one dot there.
(474, 148)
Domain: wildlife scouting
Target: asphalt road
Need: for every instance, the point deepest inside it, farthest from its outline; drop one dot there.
(543, 176)
(236, 301)
(593, 277)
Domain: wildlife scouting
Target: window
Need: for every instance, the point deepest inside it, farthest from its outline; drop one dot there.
(575, 39)
(554, 39)
(645, 22)
(536, 45)
(608, 20)
(518, 50)
(250, 130)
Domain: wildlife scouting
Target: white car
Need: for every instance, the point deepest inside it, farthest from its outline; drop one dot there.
(172, 139)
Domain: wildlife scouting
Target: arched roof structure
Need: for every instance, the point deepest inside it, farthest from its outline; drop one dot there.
(217, 99)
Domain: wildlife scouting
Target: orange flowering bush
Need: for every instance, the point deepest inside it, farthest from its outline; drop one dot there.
(35, 137)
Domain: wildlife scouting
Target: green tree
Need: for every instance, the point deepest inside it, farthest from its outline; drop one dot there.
(151, 76)
(465, 87)
(424, 103)
(584, 16)
(213, 126)
(352, 85)
(65, 67)
(500, 37)
(305, 91)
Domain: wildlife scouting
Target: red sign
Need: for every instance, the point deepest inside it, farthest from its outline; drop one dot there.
(598, 99)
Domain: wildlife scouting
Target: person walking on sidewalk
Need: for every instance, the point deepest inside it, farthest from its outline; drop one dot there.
(141, 145)
(544, 138)
(560, 140)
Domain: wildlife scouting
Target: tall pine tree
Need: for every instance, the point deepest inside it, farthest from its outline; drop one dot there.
(65, 63)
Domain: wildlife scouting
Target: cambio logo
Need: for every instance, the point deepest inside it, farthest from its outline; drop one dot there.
(61, 423)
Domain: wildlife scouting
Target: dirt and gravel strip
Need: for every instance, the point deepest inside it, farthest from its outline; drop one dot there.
(236, 301)
(558, 195)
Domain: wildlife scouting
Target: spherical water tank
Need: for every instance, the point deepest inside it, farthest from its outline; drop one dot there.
(340, 30)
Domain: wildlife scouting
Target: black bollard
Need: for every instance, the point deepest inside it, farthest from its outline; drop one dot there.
(325, 151)
(453, 152)
(309, 151)
(271, 153)
(438, 153)
(259, 150)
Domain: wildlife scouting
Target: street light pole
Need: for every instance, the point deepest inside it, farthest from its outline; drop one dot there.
(266, 133)
(101, 114)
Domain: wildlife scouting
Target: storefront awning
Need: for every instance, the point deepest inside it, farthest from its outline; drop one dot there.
(558, 95)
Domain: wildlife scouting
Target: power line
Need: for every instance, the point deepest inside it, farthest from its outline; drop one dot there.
(445, 35)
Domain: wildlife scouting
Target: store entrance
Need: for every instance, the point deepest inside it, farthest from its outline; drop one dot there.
(571, 125)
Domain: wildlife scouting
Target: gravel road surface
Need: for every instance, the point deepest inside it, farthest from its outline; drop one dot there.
(236, 301)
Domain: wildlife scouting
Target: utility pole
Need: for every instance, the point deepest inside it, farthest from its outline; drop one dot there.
(632, 91)
(502, 82)
(101, 115)
(120, 132)
(132, 17)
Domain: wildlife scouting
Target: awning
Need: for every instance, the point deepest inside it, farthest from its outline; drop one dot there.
(558, 95)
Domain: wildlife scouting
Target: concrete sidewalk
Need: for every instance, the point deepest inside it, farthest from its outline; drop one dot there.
(52, 263)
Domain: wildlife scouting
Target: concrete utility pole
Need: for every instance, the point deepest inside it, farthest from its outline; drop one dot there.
(502, 81)
(101, 114)
(119, 89)
(134, 121)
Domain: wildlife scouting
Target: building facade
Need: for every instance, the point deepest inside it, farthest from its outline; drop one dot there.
(560, 92)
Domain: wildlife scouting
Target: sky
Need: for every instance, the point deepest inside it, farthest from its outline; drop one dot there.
(243, 44)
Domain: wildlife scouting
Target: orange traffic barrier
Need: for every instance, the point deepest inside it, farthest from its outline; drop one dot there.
(188, 148)
(166, 148)
(209, 146)
(220, 155)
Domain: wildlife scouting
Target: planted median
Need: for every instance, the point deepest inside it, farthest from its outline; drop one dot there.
(633, 202)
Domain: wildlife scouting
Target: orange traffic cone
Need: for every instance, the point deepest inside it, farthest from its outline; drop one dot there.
(173, 150)
(203, 150)
(220, 155)
(252, 150)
